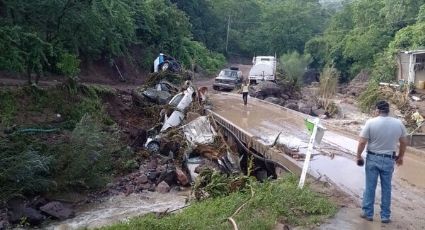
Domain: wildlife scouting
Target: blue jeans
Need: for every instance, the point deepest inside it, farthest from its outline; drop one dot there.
(384, 168)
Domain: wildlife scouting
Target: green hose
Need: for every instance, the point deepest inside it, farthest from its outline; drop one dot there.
(34, 130)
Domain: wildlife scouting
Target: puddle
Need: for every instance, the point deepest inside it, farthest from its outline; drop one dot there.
(120, 208)
(338, 169)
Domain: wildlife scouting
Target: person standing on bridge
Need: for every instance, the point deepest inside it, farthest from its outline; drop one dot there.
(245, 91)
(381, 135)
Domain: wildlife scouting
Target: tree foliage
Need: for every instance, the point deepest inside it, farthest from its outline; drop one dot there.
(366, 35)
(294, 66)
(36, 35)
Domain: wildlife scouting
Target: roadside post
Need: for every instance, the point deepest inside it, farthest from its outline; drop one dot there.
(316, 136)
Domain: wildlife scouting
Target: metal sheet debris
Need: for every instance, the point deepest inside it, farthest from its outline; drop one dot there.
(199, 131)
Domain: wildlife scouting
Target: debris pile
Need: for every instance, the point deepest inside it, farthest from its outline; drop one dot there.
(180, 144)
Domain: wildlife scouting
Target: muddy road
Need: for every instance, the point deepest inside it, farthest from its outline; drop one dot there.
(334, 159)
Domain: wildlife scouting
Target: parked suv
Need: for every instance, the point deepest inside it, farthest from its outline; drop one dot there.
(228, 79)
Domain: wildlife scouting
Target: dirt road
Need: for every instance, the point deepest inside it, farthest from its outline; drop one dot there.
(334, 160)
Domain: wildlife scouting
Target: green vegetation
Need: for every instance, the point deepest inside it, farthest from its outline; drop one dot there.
(294, 65)
(79, 150)
(272, 202)
(40, 36)
(327, 89)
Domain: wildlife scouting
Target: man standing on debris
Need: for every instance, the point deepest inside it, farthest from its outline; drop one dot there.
(245, 91)
(381, 135)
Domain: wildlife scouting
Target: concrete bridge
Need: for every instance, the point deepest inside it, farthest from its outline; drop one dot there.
(279, 134)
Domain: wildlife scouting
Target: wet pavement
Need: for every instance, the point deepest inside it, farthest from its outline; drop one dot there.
(333, 159)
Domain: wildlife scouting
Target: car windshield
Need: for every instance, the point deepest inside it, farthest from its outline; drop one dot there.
(229, 73)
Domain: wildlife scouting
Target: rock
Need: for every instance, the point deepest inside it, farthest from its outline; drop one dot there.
(292, 106)
(292, 101)
(275, 100)
(143, 179)
(163, 187)
(318, 112)
(306, 110)
(168, 175)
(182, 178)
(38, 202)
(153, 164)
(259, 96)
(58, 210)
(129, 189)
(284, 97)
(17, 210)
(152, 175)
(146, 186)
(266, 88)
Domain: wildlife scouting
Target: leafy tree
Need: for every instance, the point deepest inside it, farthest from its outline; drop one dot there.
(287, 30)
(207, 27)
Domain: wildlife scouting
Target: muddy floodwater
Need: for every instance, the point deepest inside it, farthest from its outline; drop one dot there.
(334, 160)
(121, 208)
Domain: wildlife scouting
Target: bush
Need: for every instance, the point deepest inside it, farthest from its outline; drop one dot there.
(294, 66)
(197, 53)
(87, 161)
(369, 97)
(23, 169)
(327, 89)
(69, 65)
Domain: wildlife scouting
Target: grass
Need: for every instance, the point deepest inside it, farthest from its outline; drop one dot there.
(273, 202)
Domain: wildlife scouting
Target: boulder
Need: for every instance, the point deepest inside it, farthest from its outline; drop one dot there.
(284, 96)
(163, 187)
(182, 178)
(265, 89)
(18, 210)
(318, 112)
(275, 100)
(152, 175)
(143, 179)
(306, 110)
(153, 164)
(58, 210)
(292, 106)
(168, 175)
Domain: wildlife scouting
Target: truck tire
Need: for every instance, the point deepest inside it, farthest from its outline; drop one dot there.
(215, 87)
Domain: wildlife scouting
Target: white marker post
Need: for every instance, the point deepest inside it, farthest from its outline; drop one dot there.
(309, 152)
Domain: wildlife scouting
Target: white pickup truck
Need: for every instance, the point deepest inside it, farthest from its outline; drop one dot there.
(263, 69)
